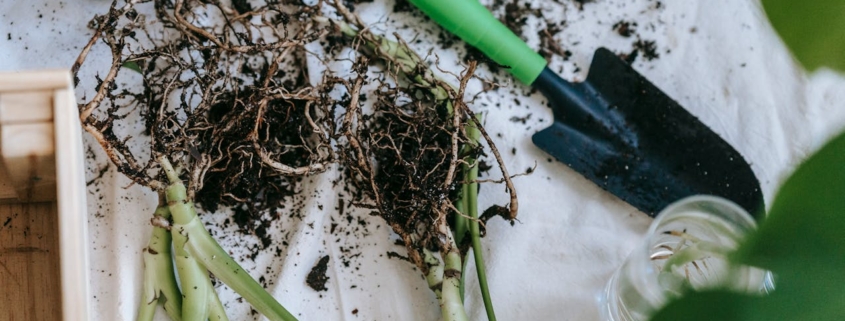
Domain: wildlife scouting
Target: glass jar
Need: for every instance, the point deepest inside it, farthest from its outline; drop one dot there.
(686, 247)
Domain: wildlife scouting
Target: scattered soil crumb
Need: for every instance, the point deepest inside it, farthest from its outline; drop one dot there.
(403, 6)
(394, 255)
(100, 174)
(625, 28)
(484, 167)
(473, 53)
(515, 16)
(647, 48)
(317, 277)
(581, 3)
(548, 45)
(522, 120)
(350, 4)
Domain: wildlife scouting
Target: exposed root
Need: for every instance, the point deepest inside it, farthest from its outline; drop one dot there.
(514, 203)
(415, 138)
(220, 98)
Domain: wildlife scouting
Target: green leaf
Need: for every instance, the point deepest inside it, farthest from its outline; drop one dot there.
(813, 30)
(782, 305)
(803, 239)
(711, 305)
(806, 224)
(132, 65)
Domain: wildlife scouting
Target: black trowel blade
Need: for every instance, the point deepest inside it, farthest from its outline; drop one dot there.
(647, 149)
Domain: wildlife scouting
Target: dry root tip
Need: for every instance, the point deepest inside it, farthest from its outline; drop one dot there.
(159, 221)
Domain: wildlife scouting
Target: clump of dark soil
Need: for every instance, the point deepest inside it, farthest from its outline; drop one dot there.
(317, 278)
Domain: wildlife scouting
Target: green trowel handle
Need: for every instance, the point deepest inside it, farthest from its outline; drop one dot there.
(473, 23)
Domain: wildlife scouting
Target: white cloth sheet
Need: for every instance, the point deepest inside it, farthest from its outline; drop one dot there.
(718, 58)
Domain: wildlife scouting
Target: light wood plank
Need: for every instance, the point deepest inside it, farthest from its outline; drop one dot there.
(34, 106)
(30, 287)
(34, 80)
(73, 210)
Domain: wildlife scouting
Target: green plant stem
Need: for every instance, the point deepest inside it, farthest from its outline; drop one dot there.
(434, 277)
(216, 260)
(479, 259)
(471, 186)
(159, 277)
(402, 57)
(147, 310)
(464, 277)
(216, 312)
(462, 225)
(451, 304)
(196, 285)
(199, 244)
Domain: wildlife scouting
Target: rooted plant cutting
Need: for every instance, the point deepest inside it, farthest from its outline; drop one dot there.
(223, 123)
(208, 103)
(415, 158)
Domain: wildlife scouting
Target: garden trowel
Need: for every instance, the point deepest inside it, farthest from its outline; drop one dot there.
(616, 128)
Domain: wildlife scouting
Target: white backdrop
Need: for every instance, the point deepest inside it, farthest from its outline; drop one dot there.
(718, 58)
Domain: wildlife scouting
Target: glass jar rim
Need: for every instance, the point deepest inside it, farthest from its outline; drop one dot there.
(741, 214)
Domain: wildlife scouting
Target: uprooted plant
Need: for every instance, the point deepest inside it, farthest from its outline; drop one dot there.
(216, 100)
(416, 159)
(208, 103)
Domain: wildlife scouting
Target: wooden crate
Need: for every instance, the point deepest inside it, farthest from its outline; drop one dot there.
(43, 215)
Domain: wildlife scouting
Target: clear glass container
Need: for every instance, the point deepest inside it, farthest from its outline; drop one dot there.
(686, 247)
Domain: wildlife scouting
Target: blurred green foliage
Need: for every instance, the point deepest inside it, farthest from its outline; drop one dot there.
(813, 30)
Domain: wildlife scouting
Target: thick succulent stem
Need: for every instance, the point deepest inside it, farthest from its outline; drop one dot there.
(435, 272)
(196, 285)
(193, 239)
(216, 260)
(146, 310)
(216, 312)
(451, 304)
(159, 277)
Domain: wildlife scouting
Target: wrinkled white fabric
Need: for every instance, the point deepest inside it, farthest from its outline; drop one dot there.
(719, 59)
